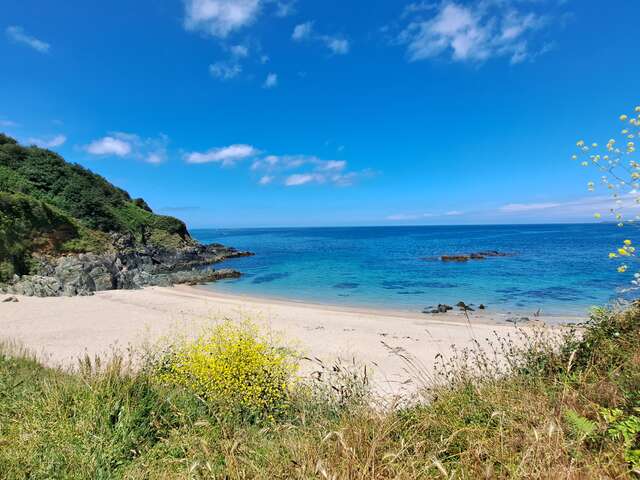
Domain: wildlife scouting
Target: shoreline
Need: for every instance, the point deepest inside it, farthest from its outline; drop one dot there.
(60, 330)
(488, 315)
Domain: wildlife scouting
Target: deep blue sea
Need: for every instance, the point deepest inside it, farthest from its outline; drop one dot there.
(558, 268)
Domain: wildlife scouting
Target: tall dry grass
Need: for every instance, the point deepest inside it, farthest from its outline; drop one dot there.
(531, 407)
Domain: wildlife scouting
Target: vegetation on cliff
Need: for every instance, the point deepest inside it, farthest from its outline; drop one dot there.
(48, 205)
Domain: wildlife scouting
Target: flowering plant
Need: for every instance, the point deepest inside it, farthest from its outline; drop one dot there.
(620, 174)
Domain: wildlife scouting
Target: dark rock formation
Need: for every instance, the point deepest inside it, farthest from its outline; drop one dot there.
(473, 256)
(441, 308)
(128, 266)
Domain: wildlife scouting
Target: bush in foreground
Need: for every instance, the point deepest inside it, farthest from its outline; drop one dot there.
(234, 368)
(565, 412)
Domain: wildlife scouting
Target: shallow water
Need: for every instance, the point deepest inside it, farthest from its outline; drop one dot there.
(560, 269)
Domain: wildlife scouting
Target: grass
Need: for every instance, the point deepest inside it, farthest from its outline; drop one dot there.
(561, 407)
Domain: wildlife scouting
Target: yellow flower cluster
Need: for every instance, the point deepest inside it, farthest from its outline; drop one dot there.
(235, 368)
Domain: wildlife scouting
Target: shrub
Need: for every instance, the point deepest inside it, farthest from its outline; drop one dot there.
(234, 368)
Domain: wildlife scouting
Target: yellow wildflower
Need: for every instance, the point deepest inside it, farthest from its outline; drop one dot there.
(627, 242)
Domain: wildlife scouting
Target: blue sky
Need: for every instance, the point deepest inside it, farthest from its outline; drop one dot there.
(281, 113)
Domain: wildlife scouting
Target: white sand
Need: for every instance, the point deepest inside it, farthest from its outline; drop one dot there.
(60, 330)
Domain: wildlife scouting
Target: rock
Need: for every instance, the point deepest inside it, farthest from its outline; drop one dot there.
(472, 256)
(127, 267)
(441, 308)
(454, 258)
(464, 307)
(481, 306)
(10, 299)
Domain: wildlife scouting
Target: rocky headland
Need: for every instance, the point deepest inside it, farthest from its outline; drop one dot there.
(126, 266)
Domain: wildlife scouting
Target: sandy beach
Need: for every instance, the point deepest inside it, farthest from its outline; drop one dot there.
(61, 329)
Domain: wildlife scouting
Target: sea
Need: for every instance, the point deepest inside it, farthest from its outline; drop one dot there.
(557, 269)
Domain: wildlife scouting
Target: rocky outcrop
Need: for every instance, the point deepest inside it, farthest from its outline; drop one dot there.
(473, 256)
(128, 266)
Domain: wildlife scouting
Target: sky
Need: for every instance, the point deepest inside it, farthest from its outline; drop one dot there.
(257, 113)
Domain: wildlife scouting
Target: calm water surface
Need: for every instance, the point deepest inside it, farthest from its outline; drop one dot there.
(558, 268)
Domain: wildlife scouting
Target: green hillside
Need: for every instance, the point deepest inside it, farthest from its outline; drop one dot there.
(48, 205)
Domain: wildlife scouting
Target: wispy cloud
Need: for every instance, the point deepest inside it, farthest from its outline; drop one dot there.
(284, 9)
(473, 32)
(226, 156)
(296, 170)
(271, 81)
(239, 51)
(7, 123)
(581, 207)
(302, 31)
(129, 145)
(412, 217)
(401, 217)
(18, 35)
(337, 44)
(225, 70)
(48, 142)
(528, 207)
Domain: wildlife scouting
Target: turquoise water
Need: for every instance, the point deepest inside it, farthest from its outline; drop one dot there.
(558, 268)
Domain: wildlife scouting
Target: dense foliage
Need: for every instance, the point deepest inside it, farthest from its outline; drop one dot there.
(65, 201)
(567, 409)
(233, 367)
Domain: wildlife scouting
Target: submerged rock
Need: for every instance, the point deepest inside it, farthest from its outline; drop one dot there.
(473, 256)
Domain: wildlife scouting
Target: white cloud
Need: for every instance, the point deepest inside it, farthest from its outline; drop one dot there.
(109, 146)
(121, 144)
(453, 213)
(472, 32)
(51, 142)
(266, 180)
(311, 169)
(299, 179)
(227, 156)
(302, 31)
(271, 81)
(224, 70)
(239, 51)
(333, 165)
(219, 18)
(18, 35)
(337, 44)
(527, 207)
(284, 9)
